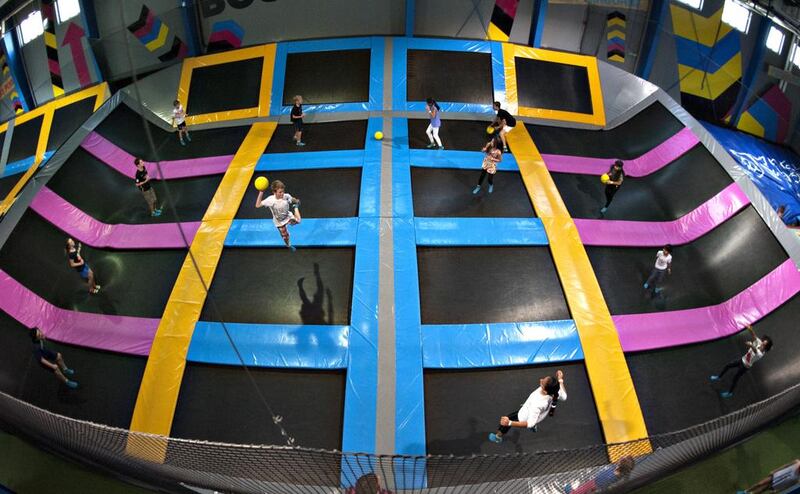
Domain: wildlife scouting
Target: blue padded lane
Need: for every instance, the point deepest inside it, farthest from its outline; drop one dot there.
(22, 165)
(348, 158)
(441, 232)
(311, 232)
(470, 160)
(374, 44)
(464, 346)
(271, 345)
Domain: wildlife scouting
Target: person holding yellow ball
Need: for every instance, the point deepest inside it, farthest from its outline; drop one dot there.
(285, 208)
(615, 177)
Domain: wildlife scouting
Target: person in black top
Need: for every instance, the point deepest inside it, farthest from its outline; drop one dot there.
(503, 123)
(143, 183)
(77, 263)
(297, 119)
(615, 177)
(50, 359)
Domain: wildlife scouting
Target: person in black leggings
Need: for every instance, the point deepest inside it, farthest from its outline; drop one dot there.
(615, 177)
(756, 350)
(541, 403)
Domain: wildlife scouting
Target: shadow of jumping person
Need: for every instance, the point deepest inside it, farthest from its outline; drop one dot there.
(312, 310)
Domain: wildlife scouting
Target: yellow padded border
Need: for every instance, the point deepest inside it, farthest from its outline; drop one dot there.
(161, 383)
(100, 92)
(265, 90)
(495, 34)
(512, 51)
(612, 386)
(710, 85)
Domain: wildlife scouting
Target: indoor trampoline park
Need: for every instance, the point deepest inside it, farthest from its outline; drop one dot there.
(399, 246)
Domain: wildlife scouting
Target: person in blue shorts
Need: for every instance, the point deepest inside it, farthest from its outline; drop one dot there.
(77, 263)
(51, 360)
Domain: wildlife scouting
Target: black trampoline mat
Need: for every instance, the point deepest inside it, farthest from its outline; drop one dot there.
(8, 183)
(67, 120)
(225, 87)
(447, 192)
(553, 85)
(281, 286)
(320, 77)
(108, 196)
(463, 285)
(135, 283)
(323, 193)
(328, 136)
(463, 406)
(126, 128)
(25, 139)
(705, 272)
(219, 403)
(108, 382)
(455, 76)
(667, 194)
(460, 135)
(636, 136)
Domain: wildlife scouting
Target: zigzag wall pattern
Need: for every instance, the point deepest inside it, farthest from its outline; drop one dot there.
(502, 20)
(709, 63)
(153, 34)
(615, 34)
(768, 116)
(8, 89)
(51, 45)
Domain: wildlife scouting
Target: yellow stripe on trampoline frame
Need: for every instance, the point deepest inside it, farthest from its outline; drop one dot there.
(495, 34)
(100, 92)
(612, 386)
(267, 52)
(161, 382)
(512, 51)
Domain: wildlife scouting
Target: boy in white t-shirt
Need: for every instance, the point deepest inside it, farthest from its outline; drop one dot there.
(756, 350)
(541, 403)
(285, 209)
(179, 120)
(660, 270)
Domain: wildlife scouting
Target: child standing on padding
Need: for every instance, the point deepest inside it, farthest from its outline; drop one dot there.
(492, 156)
(285, 209)
(179, 120)
(432, 107)
(297, 119)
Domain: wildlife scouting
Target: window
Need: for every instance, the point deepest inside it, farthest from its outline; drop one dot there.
(31, 27)
(736, 16)
(695, 4)
(67, 9)
(795, 55)
(775, 40)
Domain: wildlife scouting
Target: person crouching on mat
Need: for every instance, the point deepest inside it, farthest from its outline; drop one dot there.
(50, 359)
(492, 156)
(432, 107)
(77, 263)
(297, 119)
(541, 403)
(285, 209)
(615, 177)
(755, 352)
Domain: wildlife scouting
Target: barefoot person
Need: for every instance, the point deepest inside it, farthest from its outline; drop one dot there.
(541, 403)
(285, 209)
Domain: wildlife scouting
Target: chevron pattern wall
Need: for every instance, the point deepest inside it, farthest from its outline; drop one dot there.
(615, 34)
(153, 34)
(502, 20)
(768, 116)
(709, 63)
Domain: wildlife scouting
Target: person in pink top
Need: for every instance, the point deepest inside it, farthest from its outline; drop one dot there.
(493, 155)
(755, 352)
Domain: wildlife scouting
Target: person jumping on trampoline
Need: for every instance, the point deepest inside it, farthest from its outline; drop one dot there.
(615, 177)
(492, 156)
(77, 263)
(662, 268)
(50, 359)
(297, 119)
(541, 403)
(433, 110)
(755, 352)
(179, 120)
(503, 124)
(285, 209)
(143, 183)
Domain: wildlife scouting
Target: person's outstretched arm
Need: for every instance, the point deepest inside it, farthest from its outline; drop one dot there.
(562, 389)
(259, 198)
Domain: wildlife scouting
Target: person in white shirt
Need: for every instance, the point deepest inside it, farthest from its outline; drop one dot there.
(285, 209)
(755, 352)
(541, 403)
(179, 120)
(660, 270)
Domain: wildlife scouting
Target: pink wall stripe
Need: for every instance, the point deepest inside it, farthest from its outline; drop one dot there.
(108, 152)
(685, 229)
(650, 331)
(653, 160)
(88, 230)
(123, 334)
